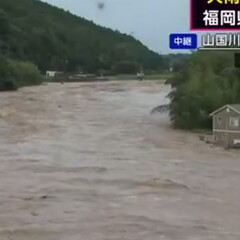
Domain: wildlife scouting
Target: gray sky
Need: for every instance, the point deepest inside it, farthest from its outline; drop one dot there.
(150, 21)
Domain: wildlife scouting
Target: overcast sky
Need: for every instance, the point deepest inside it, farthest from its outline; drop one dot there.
(150, 21)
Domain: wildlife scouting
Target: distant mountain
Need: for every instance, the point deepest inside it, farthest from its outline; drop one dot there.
(55, 39)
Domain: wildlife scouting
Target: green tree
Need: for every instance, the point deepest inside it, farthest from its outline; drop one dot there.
(4, 25)
(49, 36)
(125, 67)
(24, 73)
(207, 81)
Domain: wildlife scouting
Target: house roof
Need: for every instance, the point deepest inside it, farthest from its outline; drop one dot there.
(234, 107)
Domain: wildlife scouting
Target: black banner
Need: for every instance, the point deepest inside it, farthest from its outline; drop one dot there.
(215, 15)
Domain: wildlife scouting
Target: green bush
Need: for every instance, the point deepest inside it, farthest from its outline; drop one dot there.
(25, 73)
(6, 81)
(8, 85)
(14, 74)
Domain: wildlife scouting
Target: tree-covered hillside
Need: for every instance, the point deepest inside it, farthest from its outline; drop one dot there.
(54, 39)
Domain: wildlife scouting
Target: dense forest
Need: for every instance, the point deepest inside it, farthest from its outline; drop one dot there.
(205, 82)
(54, 39)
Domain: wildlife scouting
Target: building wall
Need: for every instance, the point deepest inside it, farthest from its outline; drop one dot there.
(224, 133)
(50, 74)
(233, 137)
(226, 139)
(220, 138)
(225, 116)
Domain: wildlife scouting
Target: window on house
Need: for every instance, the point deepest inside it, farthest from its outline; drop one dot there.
(219, 120)
(234, 122)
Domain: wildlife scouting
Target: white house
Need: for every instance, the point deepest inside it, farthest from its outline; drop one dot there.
(52, 73)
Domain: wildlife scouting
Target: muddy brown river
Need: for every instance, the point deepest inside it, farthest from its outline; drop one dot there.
(87, 161)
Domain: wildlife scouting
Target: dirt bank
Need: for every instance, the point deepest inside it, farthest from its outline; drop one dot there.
(88, 162)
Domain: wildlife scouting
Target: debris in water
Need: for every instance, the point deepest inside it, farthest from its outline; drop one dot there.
(161, 109)
(44, 197)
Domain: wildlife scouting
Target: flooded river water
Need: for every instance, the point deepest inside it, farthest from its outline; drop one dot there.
(87, 161)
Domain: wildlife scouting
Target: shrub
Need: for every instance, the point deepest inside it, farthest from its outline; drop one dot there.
(25, 73)
(8, 85)
(15, 74)
(6, 81)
